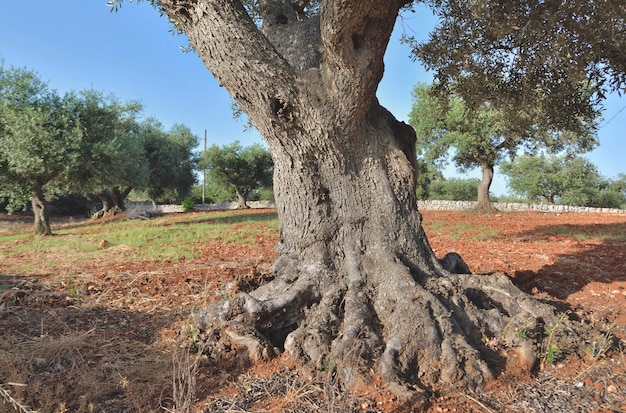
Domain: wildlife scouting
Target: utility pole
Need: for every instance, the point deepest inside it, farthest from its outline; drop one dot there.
(204, 171)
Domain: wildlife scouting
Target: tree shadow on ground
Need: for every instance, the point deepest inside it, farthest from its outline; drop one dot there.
(601, 258)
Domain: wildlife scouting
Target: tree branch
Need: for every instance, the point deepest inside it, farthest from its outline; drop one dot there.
(355, 34)
(237, 54)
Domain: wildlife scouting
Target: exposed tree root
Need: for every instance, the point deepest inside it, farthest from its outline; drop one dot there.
(101, 213)
(415, 331)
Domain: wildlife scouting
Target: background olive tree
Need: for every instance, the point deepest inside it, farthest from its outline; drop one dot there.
(171, 160)
(564, 180)
(40, 142)
(241, 169)
(84, 143)
(112, 152)
(483, 136)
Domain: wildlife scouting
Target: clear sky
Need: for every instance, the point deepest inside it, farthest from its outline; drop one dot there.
(79, 44)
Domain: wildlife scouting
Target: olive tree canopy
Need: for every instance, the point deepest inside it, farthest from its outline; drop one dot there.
(484, 136)
(559, 58)
(242, 169)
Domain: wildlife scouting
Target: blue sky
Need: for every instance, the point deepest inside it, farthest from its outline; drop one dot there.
(79, 44)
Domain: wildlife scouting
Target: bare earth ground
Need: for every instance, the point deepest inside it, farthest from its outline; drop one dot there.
(102, 334)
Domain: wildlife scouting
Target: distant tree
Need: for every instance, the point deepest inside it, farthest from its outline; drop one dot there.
(242, 169)
(39, 142)
(427, 173)
(213, 193)
(564, 180)
(535, 177)
(455, 189)
(612, 193)
(113, 160)
(170, 158)
(482, 136)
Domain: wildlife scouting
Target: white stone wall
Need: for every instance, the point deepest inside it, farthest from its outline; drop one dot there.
(511, 206)
(146, 207)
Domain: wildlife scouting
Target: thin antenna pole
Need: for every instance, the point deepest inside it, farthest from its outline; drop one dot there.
(204, 171)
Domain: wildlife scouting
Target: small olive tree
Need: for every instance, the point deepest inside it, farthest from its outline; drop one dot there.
(39, 142)
(239, 168)
(170, 158)
(483, 136)
(565, 180)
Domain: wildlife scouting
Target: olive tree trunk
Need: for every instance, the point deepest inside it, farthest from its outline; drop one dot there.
(241, 199)
(357, 286)
(484, 203)
(40, 211)
(112, 202)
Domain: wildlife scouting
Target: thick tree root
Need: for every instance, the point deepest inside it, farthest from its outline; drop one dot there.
(416, 333)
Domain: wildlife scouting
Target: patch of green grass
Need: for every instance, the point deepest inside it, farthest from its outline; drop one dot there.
(165, 238)
(435, 225)
(456, 231)
(13, 237)
(606, 233)
(484, 233)
(62, 241)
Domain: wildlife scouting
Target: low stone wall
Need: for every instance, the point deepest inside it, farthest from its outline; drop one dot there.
(146, 207)
(511, 206)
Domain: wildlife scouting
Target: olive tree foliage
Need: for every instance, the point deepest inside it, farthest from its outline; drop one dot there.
(356, 284)
(121, 153)
(455, 189)
(171, 160)
(564, 180)
(83, 142)
(483, 136)
(39, 142)
(427, 172)
(111, 150)
(240, 169)
(556, 58)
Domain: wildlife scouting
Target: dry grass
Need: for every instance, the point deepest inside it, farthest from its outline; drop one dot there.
(599, 387)
(83, 372)
(17, 405)
(287, 391)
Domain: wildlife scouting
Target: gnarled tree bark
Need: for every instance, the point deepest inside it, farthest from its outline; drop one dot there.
(113, 202)
(484, 203)
(241, 200)
(40, 211)
(357, 286)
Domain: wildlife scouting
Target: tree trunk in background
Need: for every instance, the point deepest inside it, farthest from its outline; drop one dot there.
(40, 211)
(107, 205)
(241, 200)
(119, 197)
(484, 203)
(356, 285)
(112, 203)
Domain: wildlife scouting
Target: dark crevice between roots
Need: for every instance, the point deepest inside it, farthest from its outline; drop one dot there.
(277, 336)
(482, 301)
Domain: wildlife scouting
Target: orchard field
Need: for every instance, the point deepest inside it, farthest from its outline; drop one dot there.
(99, 317)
